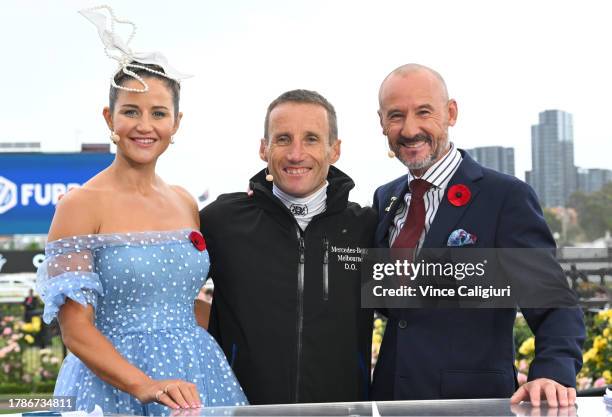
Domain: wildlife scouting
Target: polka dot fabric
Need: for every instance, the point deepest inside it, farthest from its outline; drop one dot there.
(142, 286)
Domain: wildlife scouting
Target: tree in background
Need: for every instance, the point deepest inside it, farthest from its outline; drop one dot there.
(594, 211)
(563, 222)
(553, 221)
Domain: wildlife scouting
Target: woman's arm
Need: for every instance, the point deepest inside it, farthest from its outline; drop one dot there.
(201, 309)
(83, 339)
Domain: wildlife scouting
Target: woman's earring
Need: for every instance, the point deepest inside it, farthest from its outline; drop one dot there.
(171, 139)
(269, 176)
(115, 138)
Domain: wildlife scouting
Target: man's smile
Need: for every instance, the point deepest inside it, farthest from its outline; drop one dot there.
(296, 171)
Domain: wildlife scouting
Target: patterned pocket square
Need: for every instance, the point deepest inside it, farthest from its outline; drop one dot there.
(460, 237)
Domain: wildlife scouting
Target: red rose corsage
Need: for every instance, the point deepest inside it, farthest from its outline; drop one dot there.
(198, 240)
(459, 195)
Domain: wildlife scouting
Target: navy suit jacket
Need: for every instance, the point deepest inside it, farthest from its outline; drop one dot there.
(433, 353)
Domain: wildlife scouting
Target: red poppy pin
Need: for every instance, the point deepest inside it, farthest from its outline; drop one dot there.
(459, 195)
(198, 240)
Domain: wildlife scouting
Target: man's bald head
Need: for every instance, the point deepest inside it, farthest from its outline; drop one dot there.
(415, 68)
(415, 114)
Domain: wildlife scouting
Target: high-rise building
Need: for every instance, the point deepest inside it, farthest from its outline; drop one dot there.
(592, 180)
(553, 174)
(495, 157)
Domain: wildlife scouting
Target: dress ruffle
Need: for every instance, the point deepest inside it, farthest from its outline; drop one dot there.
(82, 287)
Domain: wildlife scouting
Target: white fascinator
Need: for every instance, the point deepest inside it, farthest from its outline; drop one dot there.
(118, 49)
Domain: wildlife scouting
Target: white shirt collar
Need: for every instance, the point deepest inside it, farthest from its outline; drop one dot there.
(438, 174)
(305, 208)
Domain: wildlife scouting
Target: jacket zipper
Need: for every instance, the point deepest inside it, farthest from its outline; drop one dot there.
(300, 310)
(325, 268)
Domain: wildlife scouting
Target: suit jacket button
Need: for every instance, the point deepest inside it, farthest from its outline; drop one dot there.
(402, 324)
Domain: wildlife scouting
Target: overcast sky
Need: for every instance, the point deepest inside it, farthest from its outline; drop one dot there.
(504, 62)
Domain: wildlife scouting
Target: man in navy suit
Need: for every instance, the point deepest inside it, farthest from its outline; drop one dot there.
(432, 353)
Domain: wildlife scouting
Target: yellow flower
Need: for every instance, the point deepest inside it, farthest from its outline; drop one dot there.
(606, 332)
(378, 323)
(599, 343)
(605, 315)
(527, 347)
(607, 375)
(28, 338)
(36, 324)
(32, 327)
(589, 355)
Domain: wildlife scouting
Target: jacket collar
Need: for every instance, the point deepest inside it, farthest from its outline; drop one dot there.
(448, 216)
(393, 202)
(468, 173)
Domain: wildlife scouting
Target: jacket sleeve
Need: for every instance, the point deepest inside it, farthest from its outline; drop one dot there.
(206, 228)
(375, 200)
(559, 332)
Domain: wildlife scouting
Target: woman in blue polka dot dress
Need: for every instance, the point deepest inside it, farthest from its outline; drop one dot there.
(124, 263)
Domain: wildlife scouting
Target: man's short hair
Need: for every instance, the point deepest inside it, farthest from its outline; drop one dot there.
(308, 97)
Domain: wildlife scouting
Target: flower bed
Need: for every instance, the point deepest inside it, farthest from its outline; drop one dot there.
(25, 367)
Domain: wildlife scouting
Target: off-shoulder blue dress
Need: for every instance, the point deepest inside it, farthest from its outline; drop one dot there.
(142, 286)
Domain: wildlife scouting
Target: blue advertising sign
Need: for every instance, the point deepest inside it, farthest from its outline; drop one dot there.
(30, 186)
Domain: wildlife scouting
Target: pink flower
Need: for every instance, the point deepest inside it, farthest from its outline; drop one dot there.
(7, 368)
(599, 382)
(7, 331)
(521, 378)
(523, 365)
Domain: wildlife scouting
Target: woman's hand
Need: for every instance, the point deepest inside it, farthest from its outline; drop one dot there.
(173, 393)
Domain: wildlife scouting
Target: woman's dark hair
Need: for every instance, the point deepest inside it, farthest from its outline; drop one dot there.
(121, 78)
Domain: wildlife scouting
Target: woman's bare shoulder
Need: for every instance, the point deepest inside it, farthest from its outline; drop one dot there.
(187, 199)
(78, 212)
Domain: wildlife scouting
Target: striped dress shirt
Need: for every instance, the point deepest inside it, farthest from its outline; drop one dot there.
(439, 174)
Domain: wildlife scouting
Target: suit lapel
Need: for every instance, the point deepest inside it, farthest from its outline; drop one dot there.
(448, 216)
(389, 207)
